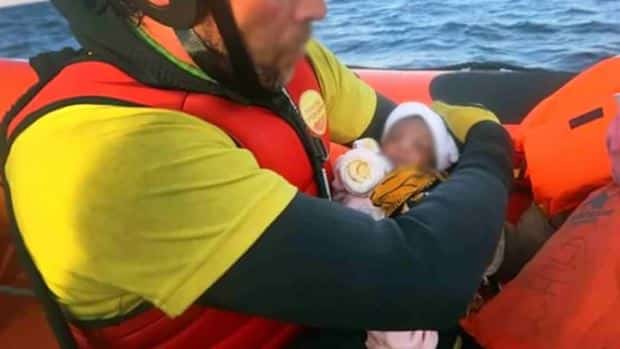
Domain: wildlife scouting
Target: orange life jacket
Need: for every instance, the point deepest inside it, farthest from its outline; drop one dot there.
(568, 297)
(613, 144)
(564, 138)
(254, 128)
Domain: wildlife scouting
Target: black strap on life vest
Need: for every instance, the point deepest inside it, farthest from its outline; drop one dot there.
(244, 70)
(235, 70)
(183, 15)
(53, 312)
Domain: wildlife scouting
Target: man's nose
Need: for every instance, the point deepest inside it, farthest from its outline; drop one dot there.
(310, 10)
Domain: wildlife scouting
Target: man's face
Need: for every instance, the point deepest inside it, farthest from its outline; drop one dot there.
(276, 32)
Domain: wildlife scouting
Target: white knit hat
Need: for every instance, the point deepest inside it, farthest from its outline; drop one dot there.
(446, 151)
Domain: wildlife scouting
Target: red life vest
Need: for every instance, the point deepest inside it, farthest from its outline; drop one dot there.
(567, 297)
(254, 128)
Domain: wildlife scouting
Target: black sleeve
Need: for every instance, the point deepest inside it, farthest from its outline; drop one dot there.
(323, 265)
(384, 107)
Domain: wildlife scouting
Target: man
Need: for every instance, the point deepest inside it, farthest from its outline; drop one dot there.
(163, 182)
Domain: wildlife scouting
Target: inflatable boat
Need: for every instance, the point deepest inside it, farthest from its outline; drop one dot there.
(547, 113)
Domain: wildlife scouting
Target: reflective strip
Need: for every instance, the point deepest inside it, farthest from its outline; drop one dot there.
(326, 183)
(16, 291)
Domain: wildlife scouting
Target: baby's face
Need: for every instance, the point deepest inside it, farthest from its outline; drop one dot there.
(410, 143)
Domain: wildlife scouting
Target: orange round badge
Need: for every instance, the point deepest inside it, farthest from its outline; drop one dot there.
(313, 111)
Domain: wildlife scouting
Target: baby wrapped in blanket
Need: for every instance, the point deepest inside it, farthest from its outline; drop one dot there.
(385, 180)
(415, 145)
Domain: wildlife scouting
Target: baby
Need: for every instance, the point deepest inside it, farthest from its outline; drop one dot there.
(415, 138)
(415, 147)
(414, 135)
(385, 180)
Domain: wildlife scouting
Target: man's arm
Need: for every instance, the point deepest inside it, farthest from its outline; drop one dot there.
(324, 265)
(354, 109)
(204, 221)
(383, 109)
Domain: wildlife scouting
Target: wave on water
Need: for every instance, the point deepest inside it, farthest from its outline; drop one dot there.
(10, 3)
(553, 34)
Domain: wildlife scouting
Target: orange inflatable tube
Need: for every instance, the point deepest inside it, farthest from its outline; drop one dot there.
(21, 77)
(568, 297)
(401, 86)
(397, 85)
(22, 323)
